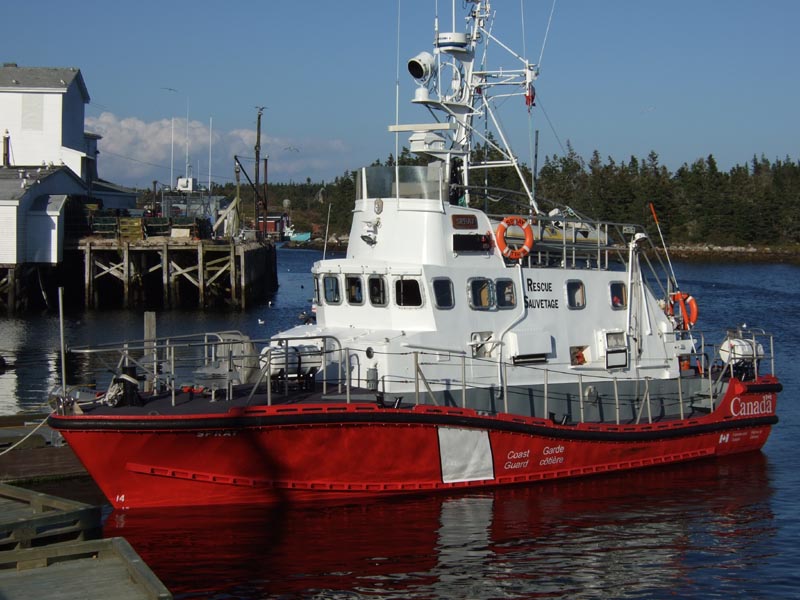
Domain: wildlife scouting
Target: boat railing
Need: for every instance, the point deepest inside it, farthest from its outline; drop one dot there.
(744, 353)
(317, 350)
(164, 364)
(549, 377)
(230, 358)
(571, 241)
(695, 363)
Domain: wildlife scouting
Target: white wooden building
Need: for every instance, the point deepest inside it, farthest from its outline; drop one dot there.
(42, 109)
(32, 214)
(42, 112)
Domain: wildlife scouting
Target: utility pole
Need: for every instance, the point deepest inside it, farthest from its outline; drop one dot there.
(266, 163)
(256, 193)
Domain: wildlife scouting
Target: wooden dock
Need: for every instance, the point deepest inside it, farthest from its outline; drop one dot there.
(174, 272)
(37, 458)
(50, 548)
(98, 569)
(159, 271)
(31, 519)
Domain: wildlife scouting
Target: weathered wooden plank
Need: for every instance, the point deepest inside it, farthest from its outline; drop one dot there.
(107, 568)
(40, 463)
(29, 519)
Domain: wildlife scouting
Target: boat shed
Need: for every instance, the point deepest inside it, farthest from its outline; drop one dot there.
(32, 201)
(112, 196)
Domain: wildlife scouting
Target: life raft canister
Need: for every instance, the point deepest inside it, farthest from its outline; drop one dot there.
(687, 306)
(502, 244)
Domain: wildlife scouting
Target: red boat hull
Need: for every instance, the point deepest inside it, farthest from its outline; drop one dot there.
(284, 453)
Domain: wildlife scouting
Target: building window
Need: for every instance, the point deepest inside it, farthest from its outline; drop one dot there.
(443, 293)
(32, 112)
(618, 294)
(330, 284)
(480, 293)
(407, 292)
(576, 294)
(355, 294)
(377, 290)
(505, 294)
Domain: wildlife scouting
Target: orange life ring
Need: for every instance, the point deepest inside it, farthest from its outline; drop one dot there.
(687, 306)
(502, 245)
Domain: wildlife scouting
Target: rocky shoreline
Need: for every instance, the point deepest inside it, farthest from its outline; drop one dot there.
(752, 254)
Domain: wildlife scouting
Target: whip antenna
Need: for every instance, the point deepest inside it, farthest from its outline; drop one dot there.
(664, 245)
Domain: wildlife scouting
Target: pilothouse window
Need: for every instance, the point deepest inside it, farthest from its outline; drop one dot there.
(443, 293)
(354, 293)
(407, 292)
(330, 284)
(480, 293)
(377, 290)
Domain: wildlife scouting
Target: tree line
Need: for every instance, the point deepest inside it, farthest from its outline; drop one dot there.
(756, 203)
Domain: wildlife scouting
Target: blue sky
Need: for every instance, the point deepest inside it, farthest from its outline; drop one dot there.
(683, 78)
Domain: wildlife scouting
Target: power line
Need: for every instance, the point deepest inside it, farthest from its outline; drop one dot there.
(149, 164)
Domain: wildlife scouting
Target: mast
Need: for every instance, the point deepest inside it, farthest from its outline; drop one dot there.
(456, 93)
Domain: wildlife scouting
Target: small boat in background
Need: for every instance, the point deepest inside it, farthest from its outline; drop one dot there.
(297, 237)
(452, 349)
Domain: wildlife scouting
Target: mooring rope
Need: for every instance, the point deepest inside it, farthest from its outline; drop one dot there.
(32, 431)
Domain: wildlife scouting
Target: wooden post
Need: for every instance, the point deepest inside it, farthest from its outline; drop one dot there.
(150, 347)
(201, 275)
(232, 269)
(87, 276)
(12, 290)
(165, 274)
(243, 275)
(126, 275)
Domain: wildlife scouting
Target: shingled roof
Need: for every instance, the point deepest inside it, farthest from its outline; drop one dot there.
(15, 78)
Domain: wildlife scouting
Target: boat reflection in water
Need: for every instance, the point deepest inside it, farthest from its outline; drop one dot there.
(686, 529)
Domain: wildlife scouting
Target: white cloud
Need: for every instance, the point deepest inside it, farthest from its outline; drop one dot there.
(136, 153)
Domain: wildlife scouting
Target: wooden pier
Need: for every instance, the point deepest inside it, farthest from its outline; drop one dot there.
(49, 549)
(31, 519)
(175, 272)
(157, 272)
(100, 569)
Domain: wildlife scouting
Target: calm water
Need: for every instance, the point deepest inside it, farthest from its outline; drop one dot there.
(716, 528)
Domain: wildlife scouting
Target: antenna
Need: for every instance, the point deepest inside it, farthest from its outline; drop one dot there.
(187, 137)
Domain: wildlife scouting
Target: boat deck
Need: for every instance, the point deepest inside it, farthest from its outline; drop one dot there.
(187, 402)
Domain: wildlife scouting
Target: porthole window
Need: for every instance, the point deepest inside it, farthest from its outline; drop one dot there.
(330, 285)
(355, 293)
(618, 295)
(407, 292)
(480, 293)
(443, 293)
(576, 294)
(377, 290)
(505, 294)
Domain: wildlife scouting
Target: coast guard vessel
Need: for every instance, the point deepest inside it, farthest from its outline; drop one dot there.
(453, 348)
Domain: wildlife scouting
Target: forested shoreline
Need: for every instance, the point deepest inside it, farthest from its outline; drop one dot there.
(757, 204)
(751, 211)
